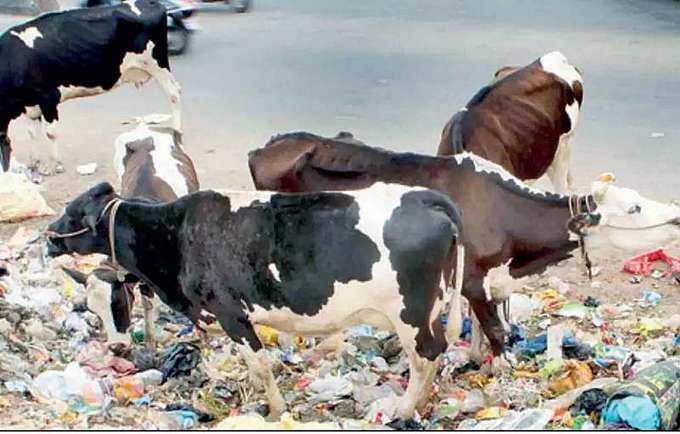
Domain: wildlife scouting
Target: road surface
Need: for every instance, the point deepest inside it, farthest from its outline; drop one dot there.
(392, 72)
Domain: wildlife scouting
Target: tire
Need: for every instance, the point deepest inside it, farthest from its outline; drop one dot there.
(178, 40)
(241, 6)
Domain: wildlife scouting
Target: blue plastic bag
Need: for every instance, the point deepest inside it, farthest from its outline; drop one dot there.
(638, 412)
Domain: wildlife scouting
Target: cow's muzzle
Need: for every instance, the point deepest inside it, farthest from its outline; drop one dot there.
(55, 248)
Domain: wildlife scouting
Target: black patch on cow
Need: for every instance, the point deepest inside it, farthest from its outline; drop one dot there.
(420, 234)
(316, 244)
(312, 240)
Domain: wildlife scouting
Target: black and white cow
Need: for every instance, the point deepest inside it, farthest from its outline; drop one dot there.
(309, 264)
(75, 53)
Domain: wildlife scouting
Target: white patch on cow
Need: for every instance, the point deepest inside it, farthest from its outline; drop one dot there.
(28, 36)
(165, 165)
(132, 4)
(135, 66)
(99, 302)
(138, 68)
(167, 168)
(482, 165)
(501, 284)
(555, 63)
(71, 92)
(376, 302)
(274, 271)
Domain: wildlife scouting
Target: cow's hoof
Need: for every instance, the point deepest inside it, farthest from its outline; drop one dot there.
(499, 366)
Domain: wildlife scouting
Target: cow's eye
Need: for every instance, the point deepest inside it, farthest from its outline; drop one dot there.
(635, 209)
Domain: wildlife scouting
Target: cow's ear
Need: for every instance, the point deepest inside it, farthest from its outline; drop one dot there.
(145, 144)
(102, 189)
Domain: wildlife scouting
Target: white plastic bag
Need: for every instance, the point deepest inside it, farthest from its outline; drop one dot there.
(20, 199)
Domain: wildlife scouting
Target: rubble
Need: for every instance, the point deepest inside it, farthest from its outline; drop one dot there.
(573, 354)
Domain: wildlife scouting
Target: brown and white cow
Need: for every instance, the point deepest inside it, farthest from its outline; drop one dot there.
(524, 120)
(152, 167)
(508, 225)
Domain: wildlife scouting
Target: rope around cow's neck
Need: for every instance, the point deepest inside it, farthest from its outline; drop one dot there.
(674, 221)
(574, 209)
(120, 274)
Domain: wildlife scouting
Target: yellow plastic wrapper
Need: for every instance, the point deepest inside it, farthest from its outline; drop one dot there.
(576, 375)
(551, 300)
(648, 325)
(268, 336)
(491, 413)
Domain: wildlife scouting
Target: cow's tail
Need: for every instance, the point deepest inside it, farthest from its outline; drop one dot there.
(454, 323)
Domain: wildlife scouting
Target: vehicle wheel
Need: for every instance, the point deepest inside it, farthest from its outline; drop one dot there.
(178, 40)
(241, 6)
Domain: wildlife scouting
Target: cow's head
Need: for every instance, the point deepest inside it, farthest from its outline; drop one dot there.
(628, 220)
(5, 150)
(82, 229)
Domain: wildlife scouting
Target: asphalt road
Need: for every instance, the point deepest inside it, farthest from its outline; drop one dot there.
(392, 72)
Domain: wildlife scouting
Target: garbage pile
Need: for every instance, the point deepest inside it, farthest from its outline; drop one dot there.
(577, 363)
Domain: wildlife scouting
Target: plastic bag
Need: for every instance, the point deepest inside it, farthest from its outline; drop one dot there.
(644, 264)
(20, 199)
(528, 420)
(180, 360)
(577, 374)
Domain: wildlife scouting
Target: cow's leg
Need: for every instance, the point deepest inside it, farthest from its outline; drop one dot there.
(172, 90)
(51, 115)
(35, 132)
(487, 315)
(260, 370)
(423, 345)
(505, 321)
(239, 328)
(559, 172)
(99, 295)
(421, 377)
(53, 165)
(149, 306)
(476, 341)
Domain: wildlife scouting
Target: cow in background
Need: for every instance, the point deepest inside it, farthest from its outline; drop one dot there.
(524, 121)
(76, 53)
(152, 167)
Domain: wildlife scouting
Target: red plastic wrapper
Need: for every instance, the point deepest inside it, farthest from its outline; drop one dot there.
(644, 264)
